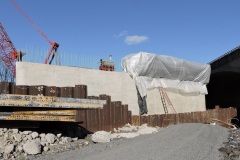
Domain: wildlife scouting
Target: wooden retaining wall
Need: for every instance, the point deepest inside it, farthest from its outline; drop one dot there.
(220, 116)
(115, 114)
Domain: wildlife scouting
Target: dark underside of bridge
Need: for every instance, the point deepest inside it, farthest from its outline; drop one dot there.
(224, 85)
(224, 90)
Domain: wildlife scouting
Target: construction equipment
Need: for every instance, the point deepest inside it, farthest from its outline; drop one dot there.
(107, 65)
(54, 45)
(8, 52)
(164, 97)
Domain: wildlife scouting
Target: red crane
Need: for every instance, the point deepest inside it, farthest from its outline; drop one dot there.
(8, 52)
(54, 45)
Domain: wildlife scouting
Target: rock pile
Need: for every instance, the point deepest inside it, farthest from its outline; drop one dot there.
(231, 150)
(27, 144)
(16, 144)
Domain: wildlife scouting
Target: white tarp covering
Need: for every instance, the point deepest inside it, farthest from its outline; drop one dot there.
(151, 71)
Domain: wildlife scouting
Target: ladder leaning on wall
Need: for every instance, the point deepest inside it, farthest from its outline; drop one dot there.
(164, 98)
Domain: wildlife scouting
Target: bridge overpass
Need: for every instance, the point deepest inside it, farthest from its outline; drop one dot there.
(224, 85)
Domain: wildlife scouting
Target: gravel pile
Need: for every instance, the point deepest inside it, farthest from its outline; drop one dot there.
(177, 142)
(231, 150)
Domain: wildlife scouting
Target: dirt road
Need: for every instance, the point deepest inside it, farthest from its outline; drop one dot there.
(177, 142)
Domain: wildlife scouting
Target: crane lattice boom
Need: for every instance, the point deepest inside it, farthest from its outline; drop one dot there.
(54, 45)
(8, 52)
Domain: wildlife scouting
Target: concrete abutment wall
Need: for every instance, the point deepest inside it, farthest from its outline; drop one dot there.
(118, 85)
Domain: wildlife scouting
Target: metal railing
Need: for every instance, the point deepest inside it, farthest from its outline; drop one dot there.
(36, 55)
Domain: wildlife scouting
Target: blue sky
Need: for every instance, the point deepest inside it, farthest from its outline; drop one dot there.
(194, 30)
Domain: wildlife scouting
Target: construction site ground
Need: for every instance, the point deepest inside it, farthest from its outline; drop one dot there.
(176, 142)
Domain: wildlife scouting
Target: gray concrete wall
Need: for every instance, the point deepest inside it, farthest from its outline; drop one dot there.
(118, 85)
(181, 102)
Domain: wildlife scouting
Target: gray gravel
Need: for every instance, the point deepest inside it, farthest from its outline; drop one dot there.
(177, 142)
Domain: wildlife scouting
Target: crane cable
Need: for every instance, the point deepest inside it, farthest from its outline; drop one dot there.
(32, 23)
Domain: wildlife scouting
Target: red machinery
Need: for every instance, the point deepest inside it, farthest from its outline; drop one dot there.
(54, 45)
(8, 52)
(106, 65)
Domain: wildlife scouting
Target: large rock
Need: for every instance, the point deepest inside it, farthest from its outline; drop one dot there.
(43, 143)
(59, 135)
(26, 132)
(38, 139)
(66, 139)
(34, 135)
(17, 137)
(32, 147)
(2, 142)
(50, 138)
(6, 136)
(24, 139)
(8, 148)
(29, 137)
(75, 139)
(42, 135)
(15, 130)
(45, 148)
(101, 137)
(19, 148)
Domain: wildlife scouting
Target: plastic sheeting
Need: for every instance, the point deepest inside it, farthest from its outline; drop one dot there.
(151, 71)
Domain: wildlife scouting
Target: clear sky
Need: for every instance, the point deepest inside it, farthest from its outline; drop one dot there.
(194, 30)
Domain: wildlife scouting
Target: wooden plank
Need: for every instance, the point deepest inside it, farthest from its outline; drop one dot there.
(196, 117)
(81, 117)
(49, 102)
(37, 90)
(106, 113)
(143, 120)
(80, 91)
(130, 117)
(52, 91)
(124, 114)
(135, 120)
(118, 114)
(46, 112)
(39, 118)
(22, 90)
(152, 120)
(113, 115)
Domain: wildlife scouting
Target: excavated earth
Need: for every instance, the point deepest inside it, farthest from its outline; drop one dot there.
(177, 142)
